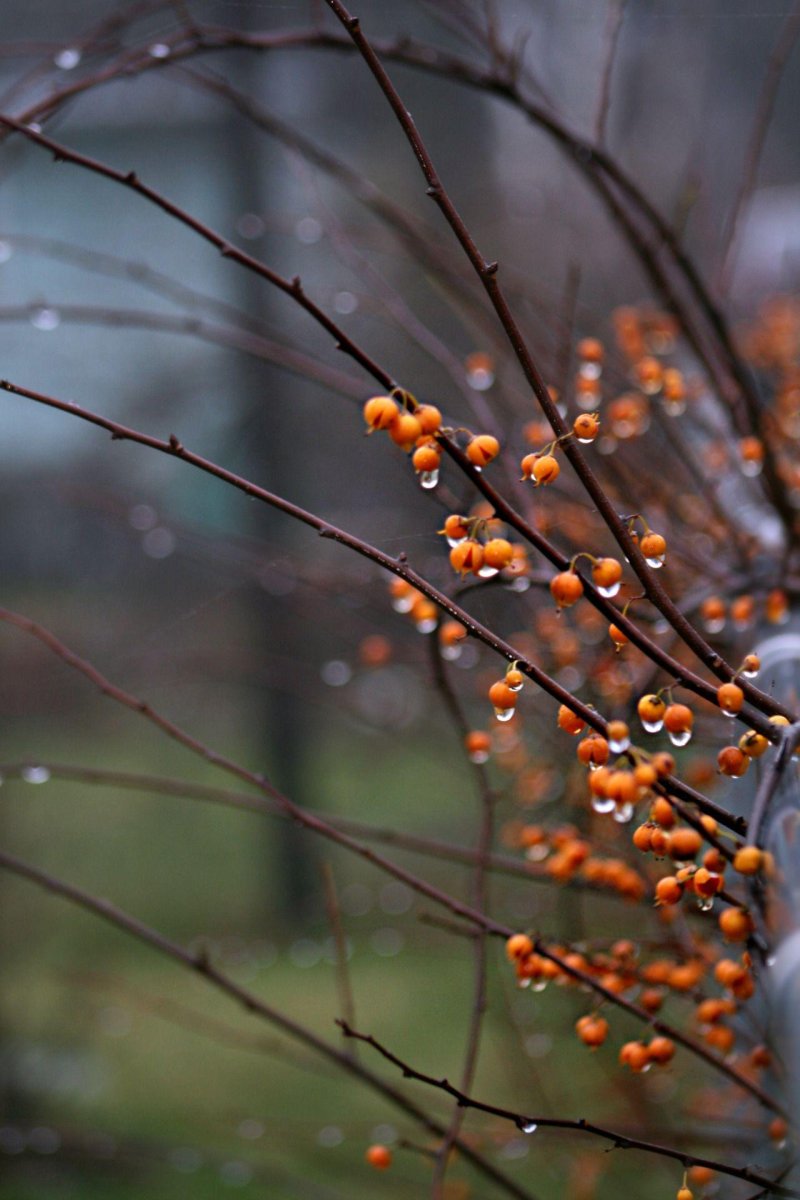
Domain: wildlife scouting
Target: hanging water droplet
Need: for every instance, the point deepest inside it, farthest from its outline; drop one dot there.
(429, 479)
(590, 370)
(523, 983)
(680, 737)
(487, 572)
(653, 726)
(452, 542)
(426, 625)
(715, 625)
(586, 441)
(68, 59)
(705, 903)
(403, 604)
(35, 774)
(520, 584)
(749, 674)
(451, 653)
(619, 746)
(751, 468)
(538, 986)
(45, 319)
(527, 1126)
(608, 592)
(479, 756)
(656, 561)
(728, 712)
(602, 804)
(515, 687)
(159, 50)
(674, 408)
(624, 813)
(504, 714)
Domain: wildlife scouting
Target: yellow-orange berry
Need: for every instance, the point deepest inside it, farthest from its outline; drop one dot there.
(668, 890)
(653, 546)
(684, 843)
(730, 698)
(497, 553)
(477, 745)
(482, 449)
(651, 709)
(405, 430)
(569, 721)
(634, 1055)
(661, 1049)
(753, 744)
(519, 945)
(429, 417)
(678, 719)
(736, 924)
(467, 557)
(586, 427)
(748, 860)
(566, 589)
(592, 1030)
(426, 458)
(501, 695)
(380, 412)
(606, 574)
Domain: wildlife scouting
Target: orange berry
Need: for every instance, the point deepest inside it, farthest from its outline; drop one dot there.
(684, 843)
(501, 695)
(519, 945)
(586, 427)
(477, 745)
(641, 837)
(661, 1049)
(546, 469)
(730, 698)
(606, 573)
(593, 750)
(659, 841)
(653, 546)
(429, 417)
(569, 721)
(731, 761)
(776, 607)
(426, 458)
(467, 557)
(618, 736)
(497, 553)
(748, 860)
(590, 350)
(678, 719)
(651, 1000)
(700, 1175)
(634, 1055)
(379, 1157)
(482, 449)
(566, 589)
(645, 775)
(380, 412)
(777, 1129)
(721, 1037)
(618, 637)
(405, 429)
(736, 924)
(664, 763)
(452, 632)
(684, 1193)
(651, 709)
(663, 813)
(668, 890)
(753, 744)
(592, 1030)
(454, 527)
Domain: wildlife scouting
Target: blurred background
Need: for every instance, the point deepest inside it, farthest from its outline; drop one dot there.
(118, 1071)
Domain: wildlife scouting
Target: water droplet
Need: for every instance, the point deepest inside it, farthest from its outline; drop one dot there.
(451, 653)
(656, 562)
(456, 541)
(727, 712)
(35, 774)
(751, 468)
(480, 378)
(45, 319)
(680, 738)
(537, 853)
(426, 625)
(159, 50)
(403, 604)
(715, 626)
(515, 687)
(674, 408)
(623, 814)
(429, 479)
(336, 673)
(602, 804)
(652, 726)
(479, 756)
(585, 441)
(520, 584)
(608, 592)
(345, 303)
(68, 59)
(590, 370)
(619, 746)
(749, 674)
(487, 572)
(504, 714)
(527, 1126)
(538, 985)
(706, 903)
(523, 983)
(586, 401)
